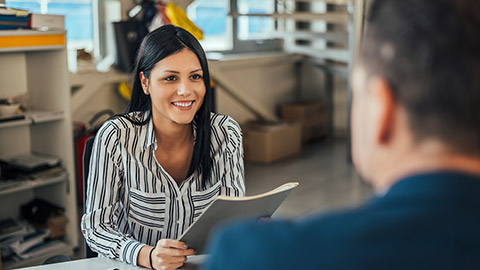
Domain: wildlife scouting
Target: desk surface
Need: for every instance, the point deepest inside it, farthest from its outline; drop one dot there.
(102, 263)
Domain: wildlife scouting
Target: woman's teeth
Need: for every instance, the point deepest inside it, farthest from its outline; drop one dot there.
(183, 104)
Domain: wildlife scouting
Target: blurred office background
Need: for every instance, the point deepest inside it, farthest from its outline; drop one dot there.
(279, 67)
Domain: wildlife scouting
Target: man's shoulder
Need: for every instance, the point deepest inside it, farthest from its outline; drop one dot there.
(278, 244)
(379, 234)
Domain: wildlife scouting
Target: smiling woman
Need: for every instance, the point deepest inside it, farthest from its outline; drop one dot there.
(155, 168)
(177, 88)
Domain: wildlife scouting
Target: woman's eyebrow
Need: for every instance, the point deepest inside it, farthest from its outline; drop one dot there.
(195, 70)
(171, 71)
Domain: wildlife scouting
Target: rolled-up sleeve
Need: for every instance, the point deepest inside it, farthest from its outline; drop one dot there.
(105, 186)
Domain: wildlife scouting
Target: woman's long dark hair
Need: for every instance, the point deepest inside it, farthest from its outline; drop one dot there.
(157, 45)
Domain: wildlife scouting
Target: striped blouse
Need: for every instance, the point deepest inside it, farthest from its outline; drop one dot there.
(133, 201)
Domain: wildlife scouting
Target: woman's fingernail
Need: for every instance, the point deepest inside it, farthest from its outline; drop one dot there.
(185, 246)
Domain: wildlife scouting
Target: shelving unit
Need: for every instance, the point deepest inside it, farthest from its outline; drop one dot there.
(35, 63)
(326, 32)
(21, 185)
(330, 33)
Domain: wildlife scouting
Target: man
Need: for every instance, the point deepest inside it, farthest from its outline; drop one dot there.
(416, 139)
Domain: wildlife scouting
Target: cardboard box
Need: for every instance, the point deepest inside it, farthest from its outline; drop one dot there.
(57, 226)
(39, 21)
(310, 114)
(268, 142)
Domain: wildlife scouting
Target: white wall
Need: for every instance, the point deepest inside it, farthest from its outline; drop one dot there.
(96, 91)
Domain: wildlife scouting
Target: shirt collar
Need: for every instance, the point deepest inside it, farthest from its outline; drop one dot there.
(150, 133)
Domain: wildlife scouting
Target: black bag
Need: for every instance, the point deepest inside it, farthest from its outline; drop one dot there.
(127, 40)
(38, 211)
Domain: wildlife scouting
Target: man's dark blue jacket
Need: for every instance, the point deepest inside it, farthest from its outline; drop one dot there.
(426, 221)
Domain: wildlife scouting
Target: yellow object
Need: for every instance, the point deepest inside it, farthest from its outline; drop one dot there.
(31, 40)
(125, 91)
(178, 17)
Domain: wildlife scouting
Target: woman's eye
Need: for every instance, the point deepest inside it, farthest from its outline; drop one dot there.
(170, 78)
(196, 76)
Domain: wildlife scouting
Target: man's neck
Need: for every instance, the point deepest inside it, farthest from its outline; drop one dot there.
(426, 158)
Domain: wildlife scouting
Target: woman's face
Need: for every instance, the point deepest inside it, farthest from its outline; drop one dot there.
(176, 87)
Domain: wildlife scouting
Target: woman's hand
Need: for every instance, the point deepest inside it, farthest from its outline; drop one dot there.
(170, 254)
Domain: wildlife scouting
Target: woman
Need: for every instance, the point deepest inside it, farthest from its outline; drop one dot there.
(156, 168)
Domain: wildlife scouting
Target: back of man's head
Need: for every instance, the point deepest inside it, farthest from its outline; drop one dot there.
(428, 51)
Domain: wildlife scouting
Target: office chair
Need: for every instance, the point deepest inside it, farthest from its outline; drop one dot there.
(89, 253)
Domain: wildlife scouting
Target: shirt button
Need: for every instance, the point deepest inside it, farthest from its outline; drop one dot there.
(178, 221)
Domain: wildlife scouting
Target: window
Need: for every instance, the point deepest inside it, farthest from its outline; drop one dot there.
(228, 25)
(212, 17)
(78, 18)
(250, 27)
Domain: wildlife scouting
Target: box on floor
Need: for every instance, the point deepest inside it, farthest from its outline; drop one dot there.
(270, 141)
(310, 114)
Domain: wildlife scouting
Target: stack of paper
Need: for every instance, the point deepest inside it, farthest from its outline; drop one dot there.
(31, 162)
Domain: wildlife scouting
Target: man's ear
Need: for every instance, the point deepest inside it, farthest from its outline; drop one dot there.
(144, 82)
(384, 106)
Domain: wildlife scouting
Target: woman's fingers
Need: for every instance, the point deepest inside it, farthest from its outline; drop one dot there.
(175, 251)
(170, 243)
(170, 254)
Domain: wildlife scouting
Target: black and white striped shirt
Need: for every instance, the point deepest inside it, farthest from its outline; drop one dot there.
(133, 201)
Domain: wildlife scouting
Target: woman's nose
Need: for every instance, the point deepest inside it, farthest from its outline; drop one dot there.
(183, 89)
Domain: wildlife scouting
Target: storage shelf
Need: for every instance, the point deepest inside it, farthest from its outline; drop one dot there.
(331, 17)
(33, 118)
(34, 63)
(31, 40)
(15, 123)
(68, 250)
(309, 35)
(333, 2)
(340, 55)
(30, 184)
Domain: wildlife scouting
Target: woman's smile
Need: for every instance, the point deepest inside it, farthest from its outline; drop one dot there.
(183, 105)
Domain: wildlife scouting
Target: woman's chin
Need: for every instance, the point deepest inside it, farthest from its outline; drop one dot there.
(183, 120)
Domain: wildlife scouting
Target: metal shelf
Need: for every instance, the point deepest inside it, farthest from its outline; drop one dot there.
(333, 2)
(331, 17)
